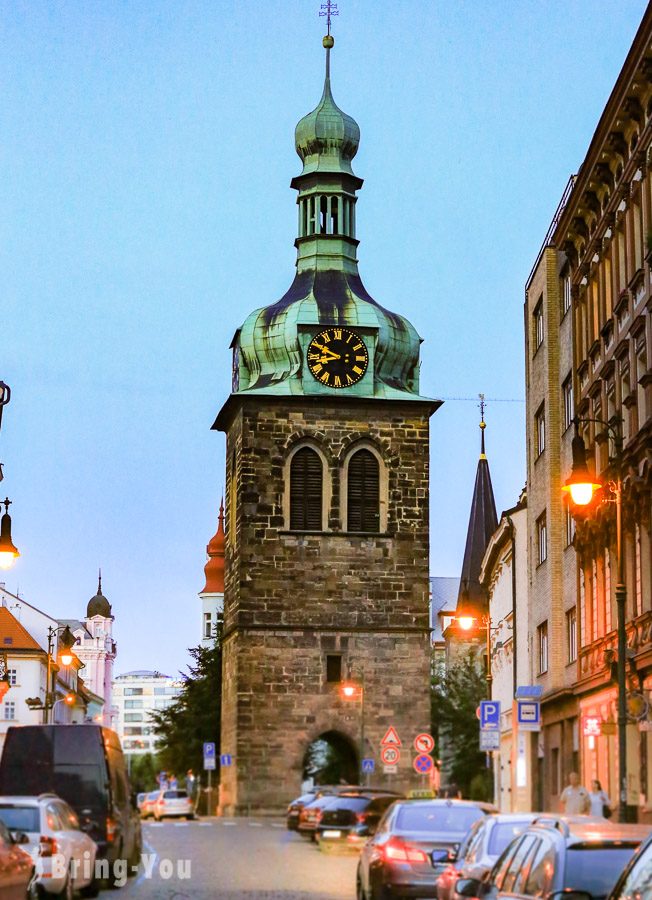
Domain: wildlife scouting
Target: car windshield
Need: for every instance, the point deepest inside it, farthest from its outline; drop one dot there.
(595, 869)
(20, 818)
(503, 834)
(456, 819)
(153, 795)
(175, 795)
(350, 803)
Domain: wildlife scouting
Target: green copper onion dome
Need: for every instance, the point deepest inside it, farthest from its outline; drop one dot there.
(270, 349)
(327, 139)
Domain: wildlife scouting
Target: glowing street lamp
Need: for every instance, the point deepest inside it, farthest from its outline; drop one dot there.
(8, 552)
(351, 690)
(581, 485)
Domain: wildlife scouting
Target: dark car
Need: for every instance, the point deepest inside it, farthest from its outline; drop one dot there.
(635, 883)
(84, 765)
(359, 811)
(294, 809)
(415, 841)
(480, 849)
(310, 815)
(560, 858)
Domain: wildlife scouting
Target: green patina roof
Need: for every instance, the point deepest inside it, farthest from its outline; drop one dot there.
(327, 289)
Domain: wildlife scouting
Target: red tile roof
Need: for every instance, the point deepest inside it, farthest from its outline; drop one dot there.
(13, 635)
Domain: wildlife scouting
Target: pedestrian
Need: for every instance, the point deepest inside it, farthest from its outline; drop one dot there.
(190, 783)
(574, 798)
(600, 802)
(173, 783)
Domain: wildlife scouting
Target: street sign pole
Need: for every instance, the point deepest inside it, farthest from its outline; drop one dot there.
(210, 793)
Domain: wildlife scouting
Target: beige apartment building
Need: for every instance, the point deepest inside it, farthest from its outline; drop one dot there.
(588, 333)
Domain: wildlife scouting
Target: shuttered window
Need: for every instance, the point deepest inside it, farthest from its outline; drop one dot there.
(306, 476)
(363, 492)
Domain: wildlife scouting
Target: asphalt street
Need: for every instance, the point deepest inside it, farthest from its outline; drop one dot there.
(236, 859)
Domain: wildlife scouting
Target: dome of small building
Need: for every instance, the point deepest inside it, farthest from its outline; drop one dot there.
(99, 605)
(214, 568)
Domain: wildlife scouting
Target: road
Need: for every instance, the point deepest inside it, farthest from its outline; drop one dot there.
(236, 859)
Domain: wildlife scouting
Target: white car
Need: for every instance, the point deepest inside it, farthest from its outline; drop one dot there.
(64, 856)
(173, 803)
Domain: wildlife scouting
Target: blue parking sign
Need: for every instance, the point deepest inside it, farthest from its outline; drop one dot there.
(489, 715)
(209, 750)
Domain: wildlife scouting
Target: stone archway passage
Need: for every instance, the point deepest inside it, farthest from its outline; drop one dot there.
(331, 759)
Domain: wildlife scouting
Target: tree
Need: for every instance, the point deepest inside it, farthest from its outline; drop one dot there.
(456, 695)
(194, 715)
(143, 770)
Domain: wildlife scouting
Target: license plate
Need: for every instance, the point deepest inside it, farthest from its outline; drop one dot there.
(331, 834)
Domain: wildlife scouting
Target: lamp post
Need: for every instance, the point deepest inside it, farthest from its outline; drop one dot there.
(468, 621)
(67, 640)
(8, 551)
(350, 690)
(581, 487)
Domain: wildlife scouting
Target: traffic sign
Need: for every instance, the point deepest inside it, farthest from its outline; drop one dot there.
(209, 750)
(490, 740)
(529, 715)
(209, 763)
(390, 755)
(529, 692)
(391, 738)
(226, 759)
(390, 770)
(368, 765)
(423, 763)
(424, 743)
(489, 715)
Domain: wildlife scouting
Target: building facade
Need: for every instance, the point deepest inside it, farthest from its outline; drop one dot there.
(212, 594)
(327, 506)
(136, 695)
(504, 575)
(588, 337)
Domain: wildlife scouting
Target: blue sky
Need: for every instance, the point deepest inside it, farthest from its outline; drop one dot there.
(147, 150)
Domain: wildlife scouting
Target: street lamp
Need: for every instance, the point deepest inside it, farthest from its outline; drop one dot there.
(66, 640)
(351, 690)
(581, 486)
(467, 622)
(8, 552)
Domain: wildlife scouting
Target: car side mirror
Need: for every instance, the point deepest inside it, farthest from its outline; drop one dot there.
(442, 855)
(470, 887)
(20, 838)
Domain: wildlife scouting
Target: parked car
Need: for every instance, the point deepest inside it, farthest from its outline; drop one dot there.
(349, 811)
(310, 815)
(173, 804)
(52, 828)
(294, 809)
(147, 806)
(84, 765)
(480, 849)
(635, 882)
(17, 868)
(568, 858)
(415, 841)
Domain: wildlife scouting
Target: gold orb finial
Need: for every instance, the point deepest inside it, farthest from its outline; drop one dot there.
(328, 41)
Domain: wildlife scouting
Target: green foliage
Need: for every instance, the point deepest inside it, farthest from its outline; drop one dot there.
(194, 716)
(456, 694)
(143, 771)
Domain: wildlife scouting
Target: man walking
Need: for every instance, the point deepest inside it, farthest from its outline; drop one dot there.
(575, 799)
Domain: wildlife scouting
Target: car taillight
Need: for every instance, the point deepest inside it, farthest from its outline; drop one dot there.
(110, 829)
(47, 846)
(360, 817)
(398, 851)
(318, 815)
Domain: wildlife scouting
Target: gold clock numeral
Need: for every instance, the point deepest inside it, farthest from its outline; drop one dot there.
(357, 346)
(317, 368)
(313, 356)
(360, 358)
(357, 370)
(326, 337)
(349, 339)
(349, 380)
(337, 382)
(325, 377)
(337, 332)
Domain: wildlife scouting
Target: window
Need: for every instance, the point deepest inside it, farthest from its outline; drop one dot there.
(540, 428)
(208, 626)
(516, 866)
(133, 717)
(571, 634)
(570, 526)
(12, 675)
(133, 692)
(566, 294)
(638, 583)
(542, 635)
(10, 710)
(567, 393)
(306, 476)
(363, 492)
(333, 668)
(133, 704)
(541, 871)
(542, 539)
(159, 691)
(538, 324)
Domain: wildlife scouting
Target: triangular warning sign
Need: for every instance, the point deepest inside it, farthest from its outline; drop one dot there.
(391, 738)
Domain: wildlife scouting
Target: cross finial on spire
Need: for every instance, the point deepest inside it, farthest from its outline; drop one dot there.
(99, 582)
(482, 406)
(7, 503)
(329, 9)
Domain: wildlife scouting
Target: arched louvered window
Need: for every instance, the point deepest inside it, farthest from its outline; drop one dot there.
(363, 493)
(306, 477)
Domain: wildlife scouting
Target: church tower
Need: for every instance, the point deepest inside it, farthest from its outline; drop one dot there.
(327, 534)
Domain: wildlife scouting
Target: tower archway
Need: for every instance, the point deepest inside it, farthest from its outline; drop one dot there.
(331, 758)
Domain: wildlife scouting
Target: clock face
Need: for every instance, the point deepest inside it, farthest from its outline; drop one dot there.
(337, 357)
